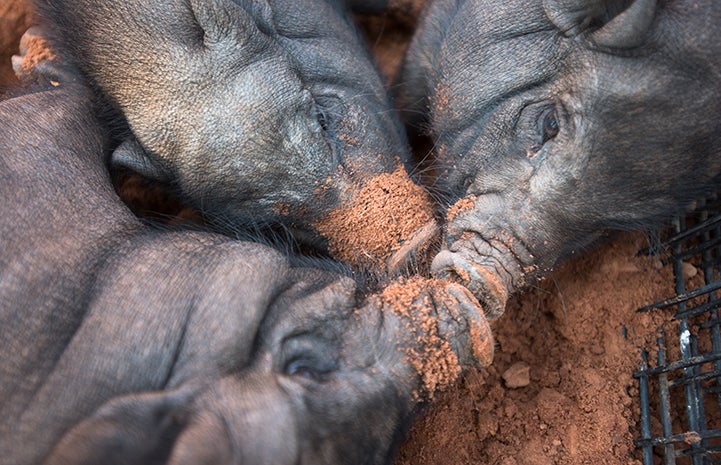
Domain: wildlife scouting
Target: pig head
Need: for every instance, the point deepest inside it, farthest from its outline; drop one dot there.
(122, 344)
(555, 120)
(256, 112)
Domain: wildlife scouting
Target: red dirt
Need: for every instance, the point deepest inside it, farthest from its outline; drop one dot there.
(462, 205)
(387, 211)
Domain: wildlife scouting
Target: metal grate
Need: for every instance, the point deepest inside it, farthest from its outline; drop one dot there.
(683, 423)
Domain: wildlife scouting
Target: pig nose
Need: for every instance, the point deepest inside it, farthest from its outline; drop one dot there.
(483, 283)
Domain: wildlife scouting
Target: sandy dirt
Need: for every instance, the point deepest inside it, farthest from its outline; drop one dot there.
(384, 214)
(560, 389)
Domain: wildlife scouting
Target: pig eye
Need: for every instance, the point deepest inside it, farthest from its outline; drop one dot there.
(306, 368)
(308, 357)
(549, 125)
(322, 117)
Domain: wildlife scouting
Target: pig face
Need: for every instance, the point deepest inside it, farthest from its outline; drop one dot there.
(301, 381)
(555, 120)
(257, 112)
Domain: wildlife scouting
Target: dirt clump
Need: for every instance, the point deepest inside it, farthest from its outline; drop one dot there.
(376, 222)
(465, 204)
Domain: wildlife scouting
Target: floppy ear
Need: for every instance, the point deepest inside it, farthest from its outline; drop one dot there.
(129, 430)
(229, 21)
(624, 30)
(629, 28)
(130, 154)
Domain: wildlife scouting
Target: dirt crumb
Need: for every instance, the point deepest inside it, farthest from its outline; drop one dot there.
(517, 375)
(466, 203)
(379, 218)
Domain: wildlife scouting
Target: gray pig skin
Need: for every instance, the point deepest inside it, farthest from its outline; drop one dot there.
(555, 120)
(122, 344)
(257, 112)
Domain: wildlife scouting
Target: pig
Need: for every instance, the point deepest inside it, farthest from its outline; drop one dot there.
(125, 344)
(556, 120)
(255, 113)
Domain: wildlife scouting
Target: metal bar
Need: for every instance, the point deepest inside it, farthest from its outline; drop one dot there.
(665, 402)
(680, 298)
(645, 407)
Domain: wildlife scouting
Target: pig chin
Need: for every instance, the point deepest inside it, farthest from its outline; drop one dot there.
(491, 263)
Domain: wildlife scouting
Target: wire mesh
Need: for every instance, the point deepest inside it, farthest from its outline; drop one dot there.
(680, 378)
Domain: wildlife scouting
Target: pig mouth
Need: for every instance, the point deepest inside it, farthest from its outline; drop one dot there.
(490, 268)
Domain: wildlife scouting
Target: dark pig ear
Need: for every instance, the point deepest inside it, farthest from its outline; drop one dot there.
(130, 430)
(131, 155)
(234, 23)
(622, 29)
(627, 29)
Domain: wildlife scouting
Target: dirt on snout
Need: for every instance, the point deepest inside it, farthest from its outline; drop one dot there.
(386, 213)
(420, 304)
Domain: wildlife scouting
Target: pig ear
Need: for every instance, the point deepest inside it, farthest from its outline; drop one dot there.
(133, 429)
(226, 21)
(626, 29)
(131, 155)
(572, 17)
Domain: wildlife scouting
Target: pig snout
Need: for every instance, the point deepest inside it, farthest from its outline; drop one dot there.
(483, 254)
(438, 328)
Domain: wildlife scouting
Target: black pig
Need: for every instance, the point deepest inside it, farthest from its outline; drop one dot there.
(555, 120)
(257, 112)
(122, 344)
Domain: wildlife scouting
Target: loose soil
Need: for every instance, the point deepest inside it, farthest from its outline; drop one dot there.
(386, 212)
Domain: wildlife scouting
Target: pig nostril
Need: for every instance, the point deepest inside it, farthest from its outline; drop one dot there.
(483, 283)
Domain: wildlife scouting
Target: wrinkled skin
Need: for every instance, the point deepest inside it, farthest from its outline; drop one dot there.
(558, 119)
(121, 344)
(265, 112)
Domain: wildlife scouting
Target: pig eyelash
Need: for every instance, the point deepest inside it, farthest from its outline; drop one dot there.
(321, 115)
(548, 126)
